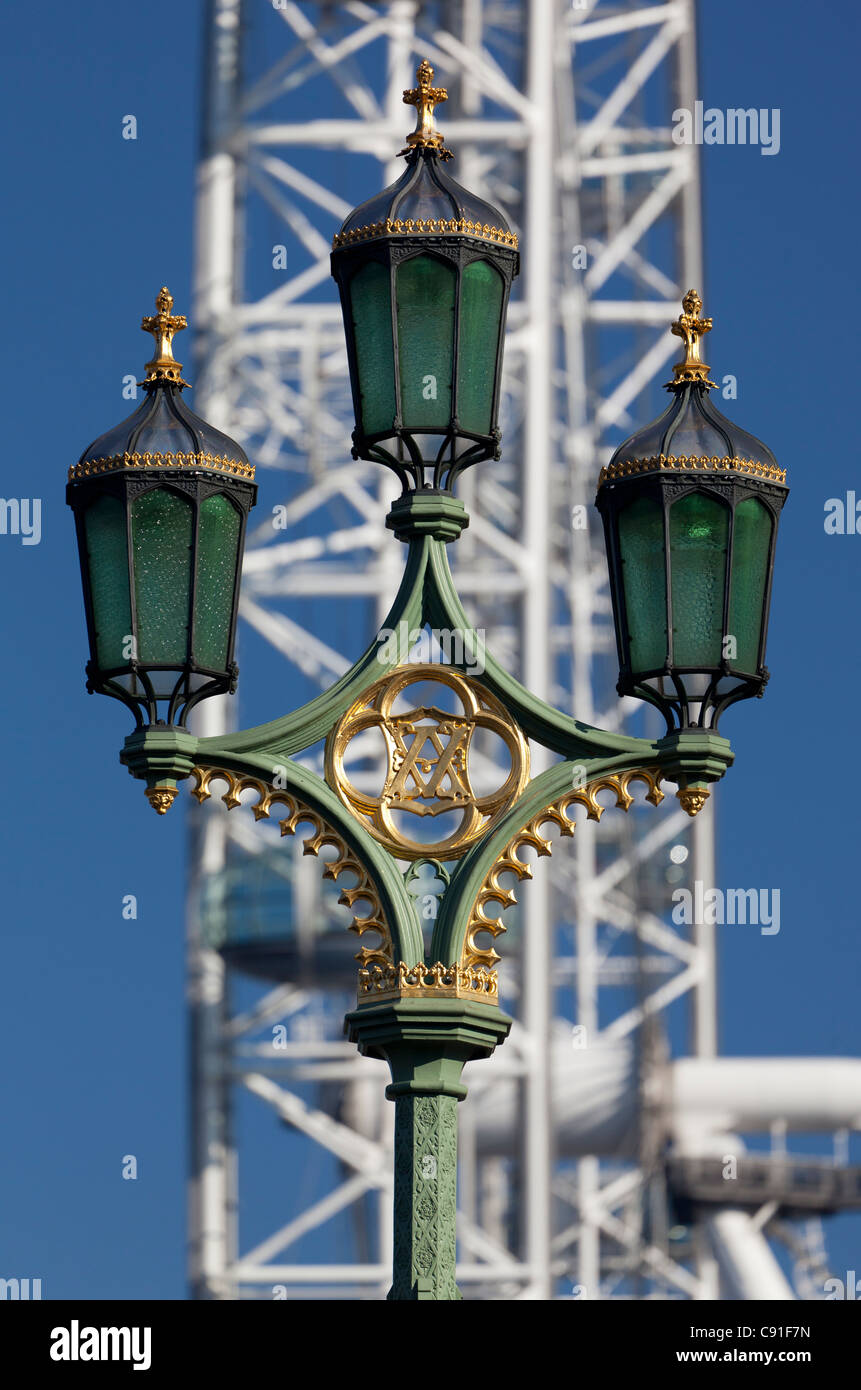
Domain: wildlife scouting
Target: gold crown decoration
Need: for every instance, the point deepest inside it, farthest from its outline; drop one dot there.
(162, 325)
(429, 982)
(424, 97)
(115, 463)
(691, 329)
(424, 227)
(696, 463)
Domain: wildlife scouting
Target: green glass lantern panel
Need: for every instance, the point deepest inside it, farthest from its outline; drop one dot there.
(162, 533)
(108, 565)
(480, 311)
(699, 531)
(641, 544)
(751, 544)
(217, 559)
(371, 306)
(426, 293)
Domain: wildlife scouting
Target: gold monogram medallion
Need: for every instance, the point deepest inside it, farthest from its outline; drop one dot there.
(428, 761)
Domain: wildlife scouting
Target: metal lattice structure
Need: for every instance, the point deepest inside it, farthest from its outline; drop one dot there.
(560, 113)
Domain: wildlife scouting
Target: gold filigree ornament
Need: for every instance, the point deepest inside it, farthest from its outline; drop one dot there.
(473, 957)
(428, 761)
(363, 890)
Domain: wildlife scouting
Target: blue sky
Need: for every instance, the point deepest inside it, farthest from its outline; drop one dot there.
(92, 1005)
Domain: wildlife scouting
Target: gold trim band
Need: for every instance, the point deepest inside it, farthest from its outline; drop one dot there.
(121, 461)
(422, 227)
(692, 463)
(428, 982)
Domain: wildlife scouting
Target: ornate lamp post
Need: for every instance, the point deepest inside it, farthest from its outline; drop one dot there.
(424, 272)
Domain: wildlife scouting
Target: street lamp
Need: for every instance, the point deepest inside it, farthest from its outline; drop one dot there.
(424, 273)
(160, 505)
(691, 506)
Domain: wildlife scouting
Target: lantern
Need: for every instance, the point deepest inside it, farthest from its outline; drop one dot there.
(690, 507)
(160, 506)
(424, 272)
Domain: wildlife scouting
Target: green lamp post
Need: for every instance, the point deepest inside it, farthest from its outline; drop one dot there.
(424, 273)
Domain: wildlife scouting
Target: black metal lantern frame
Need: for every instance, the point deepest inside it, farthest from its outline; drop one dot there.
(195, 681)
(414, 470)
(672, 687)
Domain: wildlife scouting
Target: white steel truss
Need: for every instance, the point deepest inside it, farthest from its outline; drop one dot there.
(561, 113)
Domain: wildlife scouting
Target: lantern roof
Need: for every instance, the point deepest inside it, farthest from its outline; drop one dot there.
(425, 200)
(692, 434)
(163, 432)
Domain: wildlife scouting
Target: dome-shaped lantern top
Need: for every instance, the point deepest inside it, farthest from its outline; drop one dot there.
(160, 504)
(690, 507)
(163, 431)
(692, 433)
(424, 271)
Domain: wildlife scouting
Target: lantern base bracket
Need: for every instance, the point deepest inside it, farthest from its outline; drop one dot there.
(693, 758)
(431, 512)
(159, 756)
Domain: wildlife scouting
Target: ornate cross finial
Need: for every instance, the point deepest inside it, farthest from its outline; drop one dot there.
(691, 328)
(424, 98)
(163, 325)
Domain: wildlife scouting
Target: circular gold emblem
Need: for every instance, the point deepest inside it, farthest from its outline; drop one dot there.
(428, 753)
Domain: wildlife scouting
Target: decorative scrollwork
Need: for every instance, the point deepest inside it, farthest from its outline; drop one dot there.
(362, 890)
(557, 813)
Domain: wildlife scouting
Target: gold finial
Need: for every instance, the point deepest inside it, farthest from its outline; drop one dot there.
(424, 98)
(690, 328)
(693, 799)
(160, 798)
(162, 326)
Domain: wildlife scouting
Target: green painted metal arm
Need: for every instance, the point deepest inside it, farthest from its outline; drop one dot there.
(539, 720)
(292, 733)
(427, 595)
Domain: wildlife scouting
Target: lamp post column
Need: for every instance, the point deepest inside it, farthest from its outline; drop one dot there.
(425, 1204)
(426, 1042)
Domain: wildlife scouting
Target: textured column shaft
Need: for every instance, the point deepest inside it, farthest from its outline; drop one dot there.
(425, 1197)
